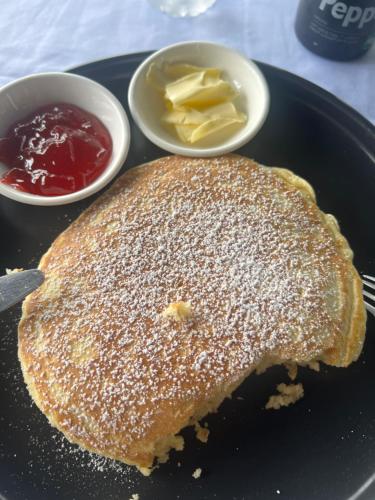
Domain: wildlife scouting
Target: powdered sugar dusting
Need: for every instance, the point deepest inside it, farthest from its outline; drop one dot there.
(245, 249)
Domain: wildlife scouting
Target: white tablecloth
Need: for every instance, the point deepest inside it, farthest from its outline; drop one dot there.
(40, 35)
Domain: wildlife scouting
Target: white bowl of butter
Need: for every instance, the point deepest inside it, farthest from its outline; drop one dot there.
(198, 99)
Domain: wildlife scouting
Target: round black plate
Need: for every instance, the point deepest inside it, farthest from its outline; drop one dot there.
(321, 448)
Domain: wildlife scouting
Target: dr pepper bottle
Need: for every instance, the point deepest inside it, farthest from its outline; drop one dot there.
(336, 29)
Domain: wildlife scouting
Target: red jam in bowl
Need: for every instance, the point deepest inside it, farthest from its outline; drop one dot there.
(58, 149)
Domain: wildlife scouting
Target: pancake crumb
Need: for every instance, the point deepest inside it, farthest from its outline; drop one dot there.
(15, 270)
(201, 433)
(179, 311)
(292, 369)
(197, 473)
(146, 471)
(314, 365)
(289, 394)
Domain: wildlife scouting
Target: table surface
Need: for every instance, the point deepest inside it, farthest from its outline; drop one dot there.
(56, 35)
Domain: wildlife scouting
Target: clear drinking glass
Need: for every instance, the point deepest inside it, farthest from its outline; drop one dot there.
(182, 8)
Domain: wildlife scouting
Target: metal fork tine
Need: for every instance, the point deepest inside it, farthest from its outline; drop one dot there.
(370, 308)
(370, 285)
(368, 295)
(371, 296)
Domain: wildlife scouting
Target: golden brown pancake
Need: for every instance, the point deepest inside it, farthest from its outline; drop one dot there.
(264, 277)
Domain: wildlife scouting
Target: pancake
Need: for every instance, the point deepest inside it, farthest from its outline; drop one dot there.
(182, 279)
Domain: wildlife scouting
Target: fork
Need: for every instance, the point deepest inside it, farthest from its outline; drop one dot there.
(370, 283)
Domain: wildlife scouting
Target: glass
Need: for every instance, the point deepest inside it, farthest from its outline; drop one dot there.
(182, 8)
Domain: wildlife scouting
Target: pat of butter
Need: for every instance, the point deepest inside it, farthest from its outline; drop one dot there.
(197, 100)
(199, 90)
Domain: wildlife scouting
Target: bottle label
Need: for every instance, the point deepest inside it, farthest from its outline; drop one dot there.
(338, 29)
(349, 15)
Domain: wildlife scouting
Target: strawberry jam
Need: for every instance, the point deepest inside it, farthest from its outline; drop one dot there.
(58, 149)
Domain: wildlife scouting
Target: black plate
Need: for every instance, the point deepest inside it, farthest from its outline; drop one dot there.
(321, 448)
